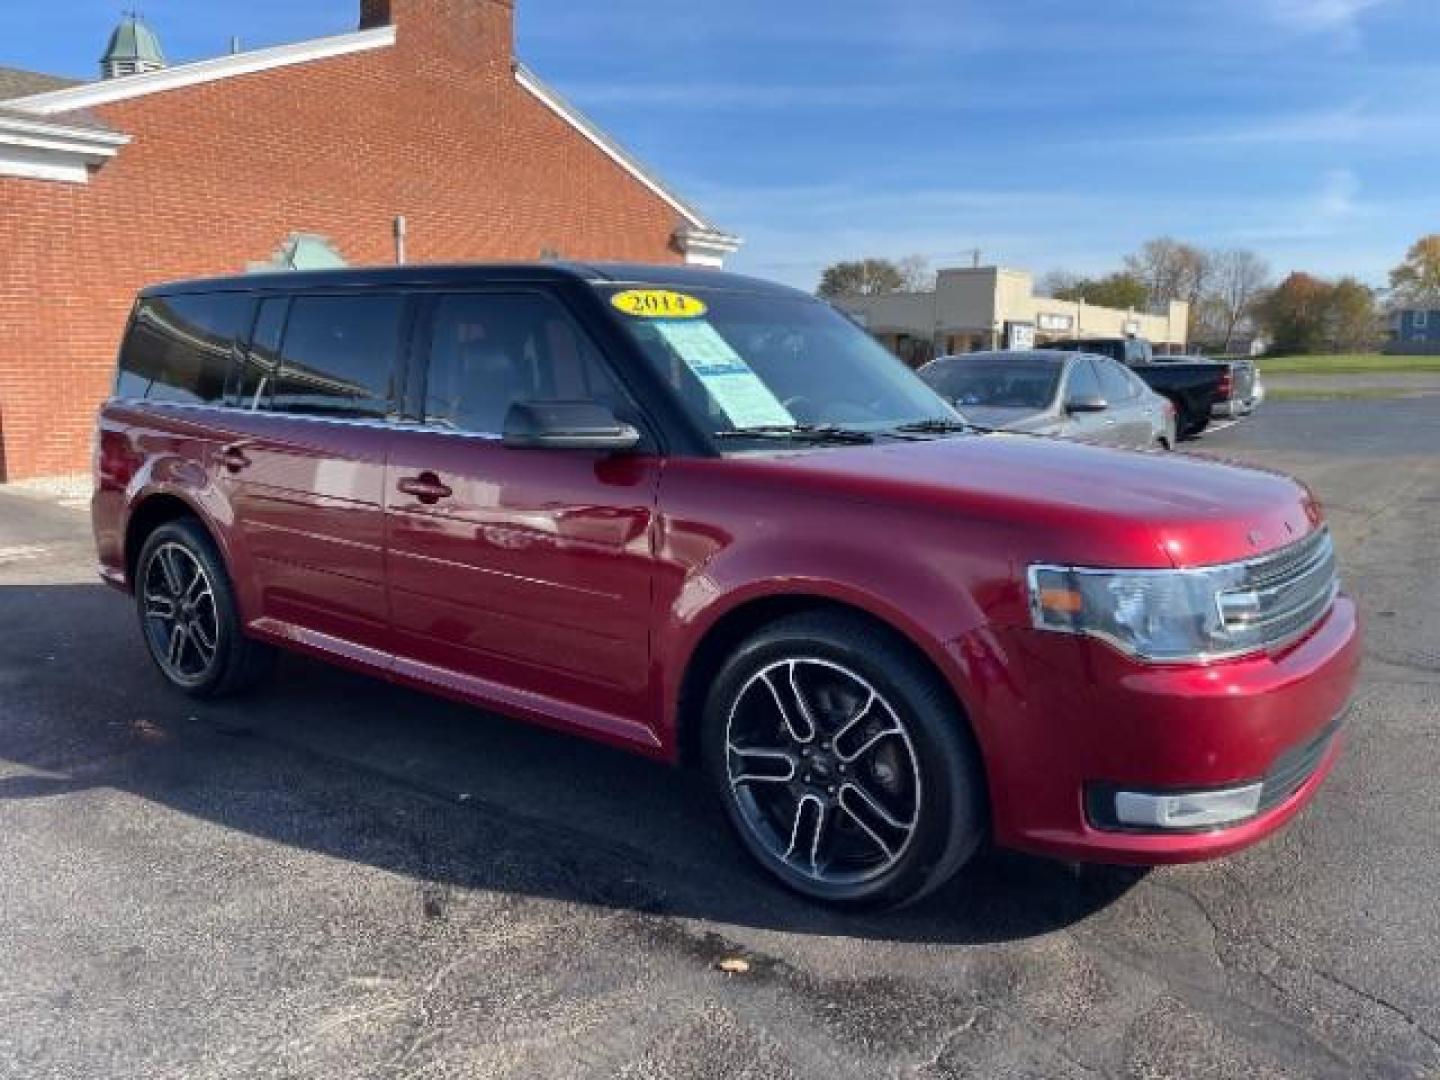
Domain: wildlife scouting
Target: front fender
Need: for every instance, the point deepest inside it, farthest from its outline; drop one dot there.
(901, 588)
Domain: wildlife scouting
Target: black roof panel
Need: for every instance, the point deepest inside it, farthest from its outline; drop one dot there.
(476, 273)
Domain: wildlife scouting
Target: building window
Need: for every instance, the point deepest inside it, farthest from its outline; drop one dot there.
(1419, 319)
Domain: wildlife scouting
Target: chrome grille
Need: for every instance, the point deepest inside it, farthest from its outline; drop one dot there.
(1285, 593)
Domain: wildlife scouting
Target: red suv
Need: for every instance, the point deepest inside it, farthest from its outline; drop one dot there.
(709, 519)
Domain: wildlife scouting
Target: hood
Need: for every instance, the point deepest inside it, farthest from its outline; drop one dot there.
(1073, 503)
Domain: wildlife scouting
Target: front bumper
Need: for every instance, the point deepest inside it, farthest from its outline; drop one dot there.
(1065, 722)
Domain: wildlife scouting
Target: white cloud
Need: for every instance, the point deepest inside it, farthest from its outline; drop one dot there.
(1320, 16)
(1337, 198)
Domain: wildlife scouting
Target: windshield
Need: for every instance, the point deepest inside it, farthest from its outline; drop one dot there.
(772, 363)
(997, 384)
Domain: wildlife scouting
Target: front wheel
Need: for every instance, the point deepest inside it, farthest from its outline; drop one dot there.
(843, 763)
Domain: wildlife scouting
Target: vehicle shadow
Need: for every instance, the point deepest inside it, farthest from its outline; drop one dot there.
(354, 769)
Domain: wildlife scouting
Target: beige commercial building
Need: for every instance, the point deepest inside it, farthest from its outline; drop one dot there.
(990, 307)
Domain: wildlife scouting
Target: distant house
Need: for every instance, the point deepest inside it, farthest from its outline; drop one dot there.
(1414, 330)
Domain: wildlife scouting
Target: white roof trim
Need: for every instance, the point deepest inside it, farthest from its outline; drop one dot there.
(108, 91)
(613, 150)
(65, 138)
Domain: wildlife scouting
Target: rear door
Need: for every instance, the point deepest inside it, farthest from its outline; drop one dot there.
(305, 465)
(521, 576)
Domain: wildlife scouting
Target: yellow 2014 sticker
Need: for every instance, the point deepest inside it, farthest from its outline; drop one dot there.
(659, 304)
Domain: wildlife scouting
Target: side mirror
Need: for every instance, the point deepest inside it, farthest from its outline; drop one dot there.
(1083, 403)
(567, 425)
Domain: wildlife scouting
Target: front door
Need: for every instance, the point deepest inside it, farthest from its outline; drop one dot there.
(1130, 423)
(518, 576)
(1082, 381)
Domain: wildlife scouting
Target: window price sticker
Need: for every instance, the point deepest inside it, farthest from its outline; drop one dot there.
(739, 392)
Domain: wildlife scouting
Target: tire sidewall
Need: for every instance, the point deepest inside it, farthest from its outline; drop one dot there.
(951, 806)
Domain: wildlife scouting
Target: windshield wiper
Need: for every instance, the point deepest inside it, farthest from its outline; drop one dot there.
(935, 424)
(808, 432)
(938, 426)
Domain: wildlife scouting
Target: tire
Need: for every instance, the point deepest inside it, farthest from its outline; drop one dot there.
(1184, 419)
(874, 820)
(188, 616)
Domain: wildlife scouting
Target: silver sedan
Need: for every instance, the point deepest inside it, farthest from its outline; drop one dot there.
(1066, 394)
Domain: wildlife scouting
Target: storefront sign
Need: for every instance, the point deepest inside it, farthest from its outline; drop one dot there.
(1019, 335)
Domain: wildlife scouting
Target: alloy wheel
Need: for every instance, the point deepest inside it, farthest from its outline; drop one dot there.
(823, 771)
(182, 622)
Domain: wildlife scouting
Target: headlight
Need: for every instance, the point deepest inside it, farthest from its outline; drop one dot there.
(1156, 615)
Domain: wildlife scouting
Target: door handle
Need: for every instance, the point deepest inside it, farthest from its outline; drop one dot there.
(234, 459)
(427, 487)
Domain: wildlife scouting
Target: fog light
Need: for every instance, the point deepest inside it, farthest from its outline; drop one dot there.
(1187, 810)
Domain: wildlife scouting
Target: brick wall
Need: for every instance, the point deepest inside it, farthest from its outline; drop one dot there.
(218, 175)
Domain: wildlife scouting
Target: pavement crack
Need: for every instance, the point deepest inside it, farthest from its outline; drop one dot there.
(1382, 1002)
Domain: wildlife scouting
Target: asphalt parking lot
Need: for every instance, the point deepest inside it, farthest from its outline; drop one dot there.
(341, 879)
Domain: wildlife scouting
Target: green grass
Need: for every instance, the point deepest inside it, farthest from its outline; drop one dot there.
(1347, 364)
(1338, 393)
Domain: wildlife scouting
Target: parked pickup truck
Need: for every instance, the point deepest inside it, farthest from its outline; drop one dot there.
(1240, 390)
(1198, 388)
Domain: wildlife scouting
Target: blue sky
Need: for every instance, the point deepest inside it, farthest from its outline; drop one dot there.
(1047, 133)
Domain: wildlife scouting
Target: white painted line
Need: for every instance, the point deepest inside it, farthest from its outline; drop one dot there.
(22, 553)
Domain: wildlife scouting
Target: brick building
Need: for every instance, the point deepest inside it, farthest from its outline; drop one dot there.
(417, 136)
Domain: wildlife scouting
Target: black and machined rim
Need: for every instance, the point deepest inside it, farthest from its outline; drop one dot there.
(182, 622)
(823, 772)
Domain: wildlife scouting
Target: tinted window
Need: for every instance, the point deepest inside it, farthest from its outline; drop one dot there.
(339, 356)
(996, 383)
(259, 362)
(1082, 382)
(180, 348)
(488, 351)
(1114, 383)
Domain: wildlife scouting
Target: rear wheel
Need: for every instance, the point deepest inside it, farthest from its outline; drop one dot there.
(842, 762)
(189, 617)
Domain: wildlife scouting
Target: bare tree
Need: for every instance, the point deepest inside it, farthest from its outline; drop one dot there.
(1236, 279)
(1171, 270)
(916, 273)
(1055, 283)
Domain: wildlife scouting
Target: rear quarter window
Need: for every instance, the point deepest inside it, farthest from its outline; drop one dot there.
(181, 348)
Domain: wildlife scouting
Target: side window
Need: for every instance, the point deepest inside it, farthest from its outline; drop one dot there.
(1114, 386)
(490, 350)
(180, 348)
(1138, 388)
(260, 361)
(1082, 381)
(339, 357)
